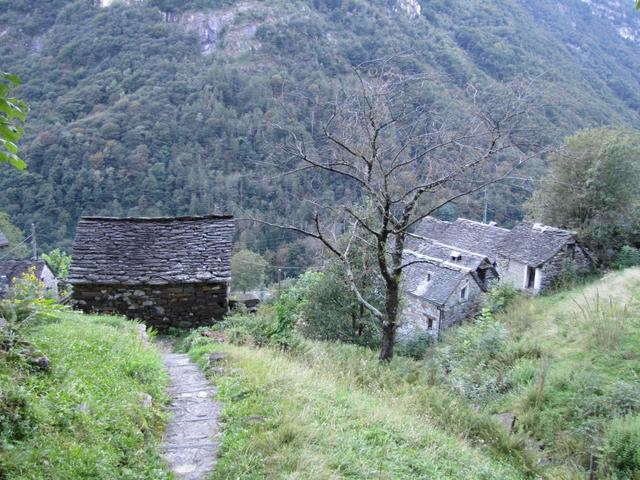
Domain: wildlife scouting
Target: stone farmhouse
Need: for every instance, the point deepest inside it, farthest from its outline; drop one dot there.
(442, 285)
(12, 269)
(168, 272)
(530, 256)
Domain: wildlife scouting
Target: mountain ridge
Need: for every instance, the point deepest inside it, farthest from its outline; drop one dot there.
(130, 118)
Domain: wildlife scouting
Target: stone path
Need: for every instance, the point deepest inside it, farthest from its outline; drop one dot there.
(191, 442)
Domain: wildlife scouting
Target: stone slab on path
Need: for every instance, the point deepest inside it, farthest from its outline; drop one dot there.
(191, 440)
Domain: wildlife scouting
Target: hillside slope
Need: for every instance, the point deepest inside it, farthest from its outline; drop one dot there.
(565, 366)
(153, 107)
(97, 413)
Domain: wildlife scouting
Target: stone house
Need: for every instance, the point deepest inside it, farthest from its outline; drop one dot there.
(168, 272)
(530, 256)
(12, 269)
(442, 286)
(459, 260)
(535, 256)
(3, 240)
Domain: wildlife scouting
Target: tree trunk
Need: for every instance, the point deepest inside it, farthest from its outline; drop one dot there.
(392, 302)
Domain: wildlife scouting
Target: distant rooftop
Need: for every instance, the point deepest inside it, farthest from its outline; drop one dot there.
(530, 243)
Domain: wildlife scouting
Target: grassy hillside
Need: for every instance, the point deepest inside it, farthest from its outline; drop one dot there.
(333, 413)
(566, 365)
(98, 413)
(130, 117)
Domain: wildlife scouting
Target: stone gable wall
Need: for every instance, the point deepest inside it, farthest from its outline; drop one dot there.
(513, 272)
(158, 306)
(416, 311)
(562, 262)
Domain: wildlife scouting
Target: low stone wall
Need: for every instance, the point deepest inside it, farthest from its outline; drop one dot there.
(159, 306)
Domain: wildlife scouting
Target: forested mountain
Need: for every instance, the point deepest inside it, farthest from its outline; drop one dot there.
(150, 107)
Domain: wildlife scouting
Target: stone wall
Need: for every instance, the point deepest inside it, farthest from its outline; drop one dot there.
(457, 310)
(565, 260)
(186, 305)
(414, 319)
(417, 311)
(513, 272)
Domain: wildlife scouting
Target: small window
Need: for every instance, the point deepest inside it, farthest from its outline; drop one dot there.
(464, 291)
(428, 276)
(429, 323)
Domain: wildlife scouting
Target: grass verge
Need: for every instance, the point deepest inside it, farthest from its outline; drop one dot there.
(97, 414)
(332, 411)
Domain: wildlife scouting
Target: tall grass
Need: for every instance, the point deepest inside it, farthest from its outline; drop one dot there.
(329, 410)
(604, 322)
(87, 418)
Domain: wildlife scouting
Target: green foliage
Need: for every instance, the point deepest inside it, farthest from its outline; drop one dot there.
(247, 270)
(498, 298)
(16, 249)
(331, 410)
(28, 301)
(594, 186)
(59, 261)
(476, 361)
(85, 418)
(563, 364)
(13, 112)
(628, 256)
(329, 311)
(415, 347)
(129, 118)
(622, 447)
(269, 327)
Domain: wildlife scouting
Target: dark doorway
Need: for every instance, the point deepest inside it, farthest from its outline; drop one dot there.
(531, 277)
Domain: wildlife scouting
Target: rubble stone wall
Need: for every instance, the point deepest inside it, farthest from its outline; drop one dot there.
(188, 305)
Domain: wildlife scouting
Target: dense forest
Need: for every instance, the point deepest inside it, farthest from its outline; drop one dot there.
(168, 107)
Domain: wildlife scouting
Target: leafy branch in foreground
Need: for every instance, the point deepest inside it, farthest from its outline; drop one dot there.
(13, 112)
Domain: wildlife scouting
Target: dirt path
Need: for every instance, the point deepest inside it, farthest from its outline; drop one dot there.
(191, 442)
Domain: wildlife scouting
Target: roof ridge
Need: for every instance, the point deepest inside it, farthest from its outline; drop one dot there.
(452, 247)
(468, 220)
(439, 262)
(157, 219)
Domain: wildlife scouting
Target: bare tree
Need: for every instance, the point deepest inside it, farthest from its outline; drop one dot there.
(405, 157)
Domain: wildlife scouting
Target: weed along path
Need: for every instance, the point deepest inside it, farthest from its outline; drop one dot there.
(191, 441)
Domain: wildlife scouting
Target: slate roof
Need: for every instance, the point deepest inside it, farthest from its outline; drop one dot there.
(10, 269)
(3, 240)
(442, 252)
(532, 244)
(465, 234)
(445, 276)
(152, 251)
(444, 279)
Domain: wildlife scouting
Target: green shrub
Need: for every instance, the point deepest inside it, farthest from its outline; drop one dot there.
(17, 416)
(622, 448)
(480, 362)
(499, 297)
(628, 256)
(28, 301)
(328, 311)
(416, 347)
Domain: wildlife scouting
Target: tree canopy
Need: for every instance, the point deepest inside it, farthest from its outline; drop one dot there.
(247, 270)
(593, 185)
